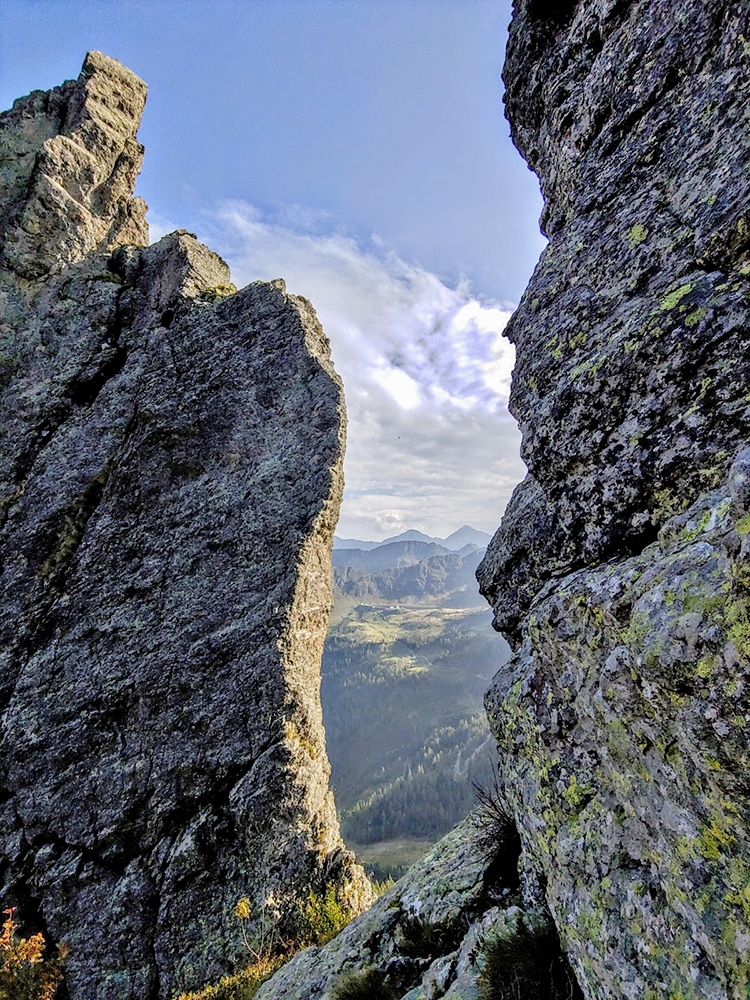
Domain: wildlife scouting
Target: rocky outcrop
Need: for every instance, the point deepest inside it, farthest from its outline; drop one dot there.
(171, 471)
(620, 569)
(427, 935)
(69, 159)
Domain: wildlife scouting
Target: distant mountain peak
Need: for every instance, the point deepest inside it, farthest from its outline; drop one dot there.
(411, 535)
(465, 535)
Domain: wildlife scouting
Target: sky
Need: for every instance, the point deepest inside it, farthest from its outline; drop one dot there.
(358, 149)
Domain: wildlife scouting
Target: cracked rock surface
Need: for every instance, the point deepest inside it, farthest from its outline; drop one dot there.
(620, 571)
(170, 477)
(427, 934)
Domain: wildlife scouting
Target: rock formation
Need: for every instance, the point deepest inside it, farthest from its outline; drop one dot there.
(171, 471)
(426, 933)
(621, 567)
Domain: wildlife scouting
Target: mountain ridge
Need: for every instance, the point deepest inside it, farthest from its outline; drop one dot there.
(456, 540)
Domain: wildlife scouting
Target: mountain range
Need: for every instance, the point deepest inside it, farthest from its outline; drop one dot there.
(464, 535)
(409, 654)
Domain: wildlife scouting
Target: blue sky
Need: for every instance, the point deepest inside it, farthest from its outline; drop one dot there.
(358, 149)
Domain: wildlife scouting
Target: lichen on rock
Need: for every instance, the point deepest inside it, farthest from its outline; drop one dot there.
(631, 336)
(427, 935)
(171, 473)
(619, 568)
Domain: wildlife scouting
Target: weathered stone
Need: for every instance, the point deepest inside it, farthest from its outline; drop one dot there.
(623, 726)
(632, 337)
(68, 163)
(171, 473)
(426, 933)
(622, 718)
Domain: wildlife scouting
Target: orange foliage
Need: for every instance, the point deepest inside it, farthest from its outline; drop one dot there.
(25, 974)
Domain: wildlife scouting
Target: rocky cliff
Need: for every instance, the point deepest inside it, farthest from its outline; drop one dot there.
(620, 570)
(425, 937)
(171, 471)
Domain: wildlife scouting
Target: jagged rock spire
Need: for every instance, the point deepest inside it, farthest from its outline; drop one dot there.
(170, 479)
(69, 159)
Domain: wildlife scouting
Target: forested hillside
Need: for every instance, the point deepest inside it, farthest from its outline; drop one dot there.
(403, 687)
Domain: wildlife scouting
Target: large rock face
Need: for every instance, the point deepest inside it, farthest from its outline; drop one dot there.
(171, 471)
(621, 568)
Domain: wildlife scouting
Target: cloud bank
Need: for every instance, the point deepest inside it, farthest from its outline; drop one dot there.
(425, 366)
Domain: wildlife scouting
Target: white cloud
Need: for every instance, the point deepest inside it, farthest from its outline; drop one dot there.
(402, 388)
(426, 370)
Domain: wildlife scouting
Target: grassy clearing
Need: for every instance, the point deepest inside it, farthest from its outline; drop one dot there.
(390, 857)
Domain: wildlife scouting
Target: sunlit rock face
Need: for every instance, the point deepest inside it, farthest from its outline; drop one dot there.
(620, 570)
(171, 473)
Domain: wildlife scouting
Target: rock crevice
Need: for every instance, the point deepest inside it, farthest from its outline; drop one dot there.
(620, 570)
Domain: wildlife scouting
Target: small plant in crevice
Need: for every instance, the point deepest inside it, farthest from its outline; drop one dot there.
(260, 938)
(418, 938)
(527, 964)
(498, 838)
(262, 941)
(25, 973)
(369, 984)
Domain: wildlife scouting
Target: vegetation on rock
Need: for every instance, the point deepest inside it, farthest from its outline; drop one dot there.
(321, 917)
(366, 985)
(241, 985)
(620, 571)
(526, 964)
(318, 918)
(26, 973)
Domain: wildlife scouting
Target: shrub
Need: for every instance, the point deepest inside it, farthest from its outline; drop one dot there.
(25, 974)
(366, 985)
(240, 985)
(529, 963)
(498, 838)
(492, 816)
(418, 938)
(320, 918)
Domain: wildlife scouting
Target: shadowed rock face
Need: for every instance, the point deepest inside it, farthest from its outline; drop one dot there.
(171, 473)
(620, 569)
(631, 335)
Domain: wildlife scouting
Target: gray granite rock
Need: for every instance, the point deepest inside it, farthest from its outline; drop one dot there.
(170, 478)
(69, 159)
(620, 568)
(426, 933)
(631, 337)
(623, 729)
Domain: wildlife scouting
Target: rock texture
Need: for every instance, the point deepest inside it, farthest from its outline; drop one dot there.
(171, 471)
(620, 570)
(426, 934)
